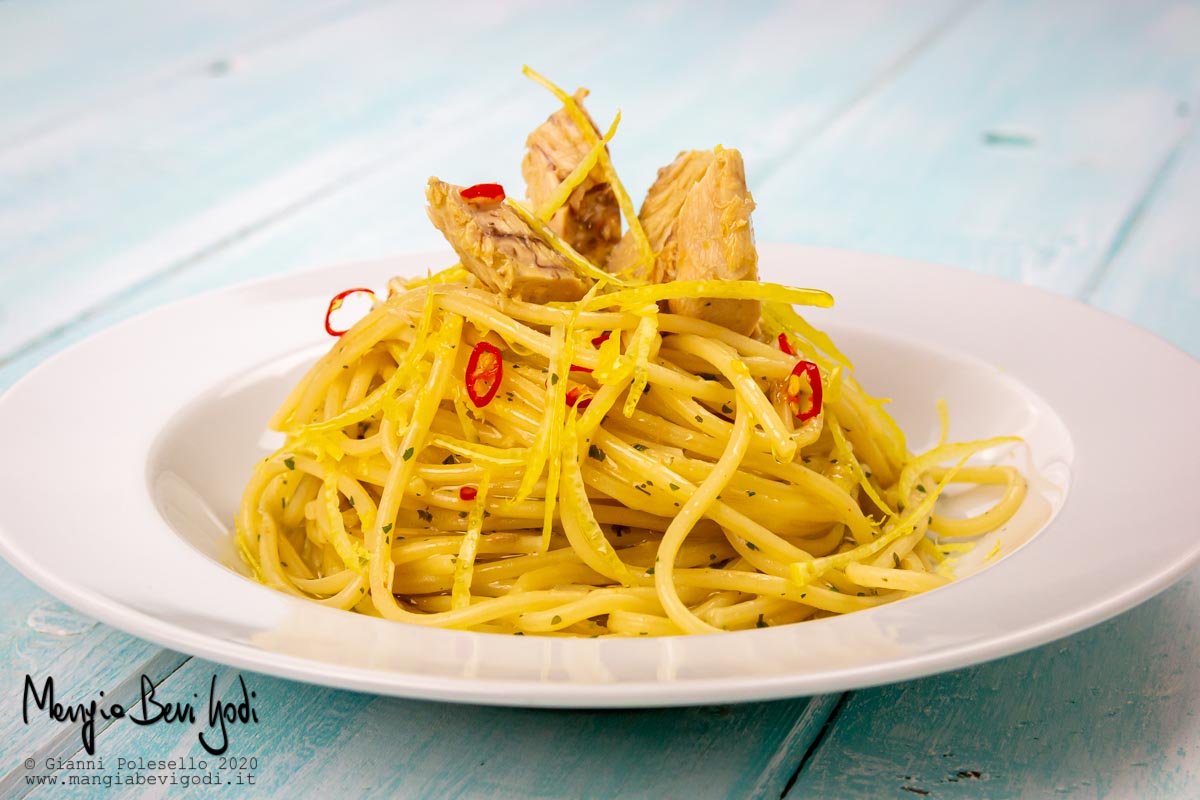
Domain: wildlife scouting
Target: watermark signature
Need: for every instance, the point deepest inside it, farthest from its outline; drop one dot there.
(219, 714)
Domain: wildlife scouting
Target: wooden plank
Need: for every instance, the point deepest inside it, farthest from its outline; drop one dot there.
(280, 126)
(1154, 279)
(43, 638)
(68, 57)
(1113, 712)
(1013, 147)
(386, 747)
(337, 198)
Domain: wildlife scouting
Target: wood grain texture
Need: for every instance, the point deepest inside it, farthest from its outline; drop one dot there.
(1154, 279)
(1015, 147)
(334, 743)
(193, 183)
(1113, 712)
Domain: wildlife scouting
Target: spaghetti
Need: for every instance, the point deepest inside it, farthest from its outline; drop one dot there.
(599, 466)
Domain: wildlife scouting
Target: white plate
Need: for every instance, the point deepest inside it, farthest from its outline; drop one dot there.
(124, 458)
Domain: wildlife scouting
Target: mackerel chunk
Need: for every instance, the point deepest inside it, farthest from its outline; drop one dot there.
(712, 239)
(590, 220)
(659, 211)
(500, 248)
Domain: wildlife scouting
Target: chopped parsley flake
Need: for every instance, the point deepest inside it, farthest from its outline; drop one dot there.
(750, 493)
(896, 560)
(387, 528)
(650, 571)
(920, 488)
(639, 447)
(752, 545)
(555, 620)
(553, 378)
(290, 463)
(596, 453)
(424, 515)
(699, 418)
(408, 453)
(761, 622)
(674, 487)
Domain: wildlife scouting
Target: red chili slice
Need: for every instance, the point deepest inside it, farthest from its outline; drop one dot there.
(468, 493)
(579, 397)
(336, 303)
(485, 369)
(599, 340)
(483, 193)
(785, 345)
(810, 371)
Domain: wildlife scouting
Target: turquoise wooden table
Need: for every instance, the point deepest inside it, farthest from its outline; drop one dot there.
(152, 150)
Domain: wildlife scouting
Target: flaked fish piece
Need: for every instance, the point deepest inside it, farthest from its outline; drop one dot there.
(590, 220)
(712, 239)
(659, 212)
(500, 248)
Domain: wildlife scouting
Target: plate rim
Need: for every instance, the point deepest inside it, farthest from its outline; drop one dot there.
(571, 694)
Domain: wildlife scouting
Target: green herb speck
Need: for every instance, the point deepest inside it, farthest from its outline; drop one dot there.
(290, 463)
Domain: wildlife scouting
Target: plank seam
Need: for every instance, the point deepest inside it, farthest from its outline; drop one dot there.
(816, 743)
(66, 742)
(348, 178)
(322, 192)
(870, 88)
(808, 726)
(1132, 220)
